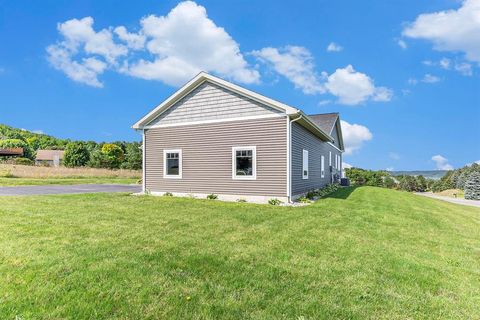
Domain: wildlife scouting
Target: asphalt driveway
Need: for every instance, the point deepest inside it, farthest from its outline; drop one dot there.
(68, 189)
(472, 203)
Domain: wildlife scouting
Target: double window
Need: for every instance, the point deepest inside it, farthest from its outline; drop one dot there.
(244, 163)
(172, 163)
(305, 164)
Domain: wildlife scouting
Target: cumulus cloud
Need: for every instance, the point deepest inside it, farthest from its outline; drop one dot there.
(450, 30)
(346, 165)
(442, 163)
(462, 67)
(402, 44)
(354, 135)
(294, 63)
(353, 87)
(428, 78)
(334, 47)
(182, 43)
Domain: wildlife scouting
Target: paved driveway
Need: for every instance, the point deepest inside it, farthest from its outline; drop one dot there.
(68, 189)
(473, 203)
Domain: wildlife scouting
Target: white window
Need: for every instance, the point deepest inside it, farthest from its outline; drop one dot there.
(322, 168)
(244, 163)
(330, 158)
(305, 164)
(172, 163)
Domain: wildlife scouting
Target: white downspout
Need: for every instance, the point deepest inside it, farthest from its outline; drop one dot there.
(289, 151)
(144, 169)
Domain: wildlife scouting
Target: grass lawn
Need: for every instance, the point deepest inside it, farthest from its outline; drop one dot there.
(362, 253)
(64, 181)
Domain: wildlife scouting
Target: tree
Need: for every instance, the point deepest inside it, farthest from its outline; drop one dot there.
(408, 183)
(133, 156)
(109, 156)
(18, 143)
(472, 186)
(76, 155)
(421, 183)
(389, 182)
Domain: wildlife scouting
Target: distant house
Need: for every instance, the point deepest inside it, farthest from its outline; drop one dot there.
(11, 152)
(212, 136)
(49, 157)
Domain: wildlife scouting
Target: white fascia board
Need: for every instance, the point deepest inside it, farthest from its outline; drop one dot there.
(199, 79)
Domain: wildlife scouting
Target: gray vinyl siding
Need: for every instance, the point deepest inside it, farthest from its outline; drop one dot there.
(209, 102)
(304, 139)
(207, 157)
(334, 135)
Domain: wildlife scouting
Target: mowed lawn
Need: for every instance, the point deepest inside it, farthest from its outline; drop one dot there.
(363, 253)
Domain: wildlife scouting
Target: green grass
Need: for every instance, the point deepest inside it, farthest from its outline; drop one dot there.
(64, 181)
(362, 253)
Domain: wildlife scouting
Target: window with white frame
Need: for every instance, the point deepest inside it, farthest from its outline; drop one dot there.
(322, 167)
(172, 163)
(330, 158)
(244, 162)
(305, 164)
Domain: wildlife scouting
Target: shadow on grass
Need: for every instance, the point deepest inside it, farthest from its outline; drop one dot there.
(342, 193)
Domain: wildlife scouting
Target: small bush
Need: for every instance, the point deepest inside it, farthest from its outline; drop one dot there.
(212, 196)
(304, 200)
(275, 202)
(168, 194)
(23, 161)
(241, 200)
(311, 194)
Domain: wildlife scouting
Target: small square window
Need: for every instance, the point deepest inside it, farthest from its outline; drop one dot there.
(172, 166)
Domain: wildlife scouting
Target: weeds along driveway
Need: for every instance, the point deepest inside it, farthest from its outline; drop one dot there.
(67, 189)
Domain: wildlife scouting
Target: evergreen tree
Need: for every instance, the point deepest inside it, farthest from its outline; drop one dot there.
(472, 186)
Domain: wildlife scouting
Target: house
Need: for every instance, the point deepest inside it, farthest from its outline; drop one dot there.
(212, 136)
(49, 157)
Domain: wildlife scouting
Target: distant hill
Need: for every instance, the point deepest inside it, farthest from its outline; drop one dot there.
(35, 140)
(429, 174)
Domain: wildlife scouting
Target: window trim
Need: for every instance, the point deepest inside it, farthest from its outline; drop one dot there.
(180, 164)
(305, 152)
(322, 166)
(254, 163)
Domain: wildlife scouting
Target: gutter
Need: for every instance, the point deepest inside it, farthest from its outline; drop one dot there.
(289, 158)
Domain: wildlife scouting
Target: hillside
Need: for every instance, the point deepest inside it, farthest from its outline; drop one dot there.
(35, 140)
(428, 174)
(364, 253)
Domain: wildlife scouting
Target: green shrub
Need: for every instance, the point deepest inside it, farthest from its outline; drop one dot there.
(275, 202)
(76, 155)
(110, 156)
(168, 194)
(241, 200)
(212, 196)
(311, 194)
(133, 156)
(472, 186)
(23, 161)
(304, 200)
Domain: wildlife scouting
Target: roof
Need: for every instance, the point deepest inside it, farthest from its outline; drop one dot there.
(45, 155)
(326, 121)
(11, 152)
(305, 120)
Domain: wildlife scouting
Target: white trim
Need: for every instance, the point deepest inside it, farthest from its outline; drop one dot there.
(305, 163)
(224, 197)
(288, 156)
(254, 163)
(329, 158)
(179, 124)
(180, 164)
(331, 144)
(144, 167)
(322, 166)
(199, 79)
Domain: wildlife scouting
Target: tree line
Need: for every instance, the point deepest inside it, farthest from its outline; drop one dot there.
(114, 155)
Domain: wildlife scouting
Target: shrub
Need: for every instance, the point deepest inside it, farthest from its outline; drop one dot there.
(241, 200)
(168, 194)
(472, 186)
(18, 143)
(113, 155)
(76, 155)
(311, 194)
(304, 200)
(23, 161)
(275, 202)
(212, 196)
(133, 156)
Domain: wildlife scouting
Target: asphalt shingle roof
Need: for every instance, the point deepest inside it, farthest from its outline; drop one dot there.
(325, 121)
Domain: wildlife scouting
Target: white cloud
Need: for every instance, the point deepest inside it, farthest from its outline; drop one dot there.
(428, 78)
(450, 30)
(134, 40)
(442, 163)
(470, 163)
(182, 43)
(38, 131)
(353, 87)
(346, 165)
(402, 44)
(394, 155)
(464, 68)
(412, 81)
(294, 63)
(390, 169)
(334, 47)
(445, 63)
(354, 135)
(324, 102)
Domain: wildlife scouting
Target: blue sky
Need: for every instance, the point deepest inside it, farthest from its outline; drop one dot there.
(404, 75)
